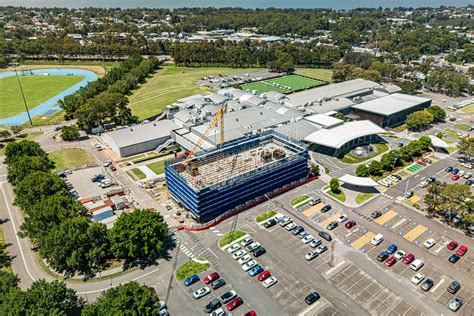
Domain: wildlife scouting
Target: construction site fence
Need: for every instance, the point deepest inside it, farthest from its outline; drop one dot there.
(230, 213)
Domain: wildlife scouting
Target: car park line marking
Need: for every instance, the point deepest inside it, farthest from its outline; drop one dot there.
(415, 232)
(398, 223)
(437, 285)
(313, 209)
(213, 253)
(386, 217)
(303, 313)
(361, 241)
(329, 220)
(337, 266)
(441, 247)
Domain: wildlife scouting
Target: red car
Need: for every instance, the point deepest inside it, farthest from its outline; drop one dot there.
(408, 258)
(390, 261)
(452, 245)
(112, 167)
(211, 277)
(251, 313)
(462, 250)
(421, 162)
(236, 302)
(264, 275)
(350, 224)
(455, 177)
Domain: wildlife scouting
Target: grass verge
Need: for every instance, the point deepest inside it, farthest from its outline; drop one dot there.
(468, 109)
(189, 268)
(264, 216)
(230, 237)
(338, 196)
(451, 134)
(157, 167)
(70, 158)
(138, 173)
(362, 197)
(299, 199)
(400, 128)
(462, 127)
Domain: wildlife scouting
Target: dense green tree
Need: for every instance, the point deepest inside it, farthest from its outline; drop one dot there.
(138, 235)
(466, 146)
(424, 142)
(314, 170)
(283, 62)
(334, 185)
(21, 167)
(8, 281)
(447, 81)
(419, 120)
(5, 134)
(130, 298)
(16, 129)
(75, 244)
(36, 186)
(389, 160)
(438, 113)
(362, 170)
(70, 132)
(374, 168)
(434, 198)
(410, 87)
(5, 258)
(22, 148)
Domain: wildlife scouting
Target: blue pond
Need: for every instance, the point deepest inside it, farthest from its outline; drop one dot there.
(49, 106)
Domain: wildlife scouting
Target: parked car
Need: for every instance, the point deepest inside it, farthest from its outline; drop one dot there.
(454, 287)
(391, 249)
(191, 280)
(382, 256)
(249, 265)
(312, 297)
(342, 219)
(390, 261)
(421, 162)
(455, 303)
(350, 224)
(239, 253)
(285, 221)
(377, 239)
(236, 302)
(314, 201)
(325, 235)
(247, 241)
(270, 223)
(454, 171)
(291, 226)
(228, 296)
(255, 270)
(326, 208)
(97, 177)
(311, 255)
(452, 245)
(429, 243)
(448, 169)
(269, 282)
(211, 278)
(253, 246)
(201, 292)
(455, 177)
(307, 239)
(259, 251)
(427, 285)
(244, 259)
(332, 225)
(416, 264)
(462, 250)
(376, 214)
(467, 175)
(217, 284)
(264, 275)
(409, 194)
(423, 184)
(297, 230)
(314, 243)
(212, 305)
(233, 248)
(399, 254)
(454, 258)
(303, 234)
(431, 179)
(417, 278)
(321, 248)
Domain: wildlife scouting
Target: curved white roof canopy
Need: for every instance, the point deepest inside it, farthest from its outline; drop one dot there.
(438, 142)
(359, 181)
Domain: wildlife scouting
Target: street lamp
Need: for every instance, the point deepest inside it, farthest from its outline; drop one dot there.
(23, 96)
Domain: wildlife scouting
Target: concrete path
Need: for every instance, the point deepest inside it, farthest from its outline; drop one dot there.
(147, 171)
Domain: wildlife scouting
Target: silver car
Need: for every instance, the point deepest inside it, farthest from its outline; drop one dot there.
(455, 303)
(201, 292)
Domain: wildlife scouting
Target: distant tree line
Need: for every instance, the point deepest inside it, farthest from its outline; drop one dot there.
(59, 227)
(104, 100)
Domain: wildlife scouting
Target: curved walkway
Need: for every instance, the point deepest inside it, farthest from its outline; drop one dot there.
(50, 104)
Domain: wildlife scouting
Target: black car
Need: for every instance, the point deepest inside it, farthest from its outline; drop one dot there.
(297, 230)
(312, 297)
(382, 256)
(469, 182)
(448, 169)
(376, 214)
(213, 305)
(454, 258)
(271, 222)
(259, 251)
(332, 225)
(325, 235)
(431, 179)
(454, 287)
(217, 284)
(396, 176)
(427, 285)
(326, 208)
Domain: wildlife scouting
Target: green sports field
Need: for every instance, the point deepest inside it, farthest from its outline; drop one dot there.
(285, 84)
(37, 89)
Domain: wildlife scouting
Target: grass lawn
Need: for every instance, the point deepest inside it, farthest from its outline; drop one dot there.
(170, 84)
(70, 157)
(37, 89)
(362, 197)
(447, 141)
(320, 74)
(43, 120)
(350, 158)
(138, 173)
(264, 216)
(468, 109)
(299, 199)
(452, 149)
(157, 167)
(400, 128)
(280, 84)
(189, 268)
(230, 237)
(338, 196)
(451, 133)
(462, 127)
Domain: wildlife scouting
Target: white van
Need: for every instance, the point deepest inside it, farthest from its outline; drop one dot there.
(417, 264)
(377, 239)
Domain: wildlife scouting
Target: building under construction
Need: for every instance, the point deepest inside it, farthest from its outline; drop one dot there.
(219, 180)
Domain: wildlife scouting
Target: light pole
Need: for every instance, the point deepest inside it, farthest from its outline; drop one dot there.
(23, 96)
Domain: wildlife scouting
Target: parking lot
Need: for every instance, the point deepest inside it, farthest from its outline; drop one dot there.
(81, 181)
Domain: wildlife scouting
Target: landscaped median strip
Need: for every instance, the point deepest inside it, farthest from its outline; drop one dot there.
(300, 201)
(192, 266)
(265, 216)
(230, 243)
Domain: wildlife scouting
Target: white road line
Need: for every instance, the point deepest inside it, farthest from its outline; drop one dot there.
(220, 234)
(399, 223)
(16, 233)
(309, 308)
(437, 285)
(212, 253)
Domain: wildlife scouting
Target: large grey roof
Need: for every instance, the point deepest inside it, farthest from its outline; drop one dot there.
(217, 98)
(323, 120)
(391, 104)
(342, 89)
(297, 130)
(142, 133)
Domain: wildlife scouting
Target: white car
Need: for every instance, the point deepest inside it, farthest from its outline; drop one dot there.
(253, 246)
(239, 253)
(307, 239)
(423, 184)
(461, 173)
(321, 248)
(269, 282)
(233, 248)
(285, 221)
(455, 303)
(244, 259)
(247, 241)
(201, 292)
(311, 255)
(393, 178)
(290, 226)
(417, 278)
(429, 243)
(399, 254)
(342, 219)
(218, 312)
(249, 265)
(385, 183)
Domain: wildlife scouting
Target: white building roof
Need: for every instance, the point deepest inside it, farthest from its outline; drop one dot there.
(323, 120)
(142, 133)
(438, 142)
(337, 136)
(391, 104)
(360, 181)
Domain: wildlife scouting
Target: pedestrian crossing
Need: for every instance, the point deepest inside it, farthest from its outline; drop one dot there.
(186, 251)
